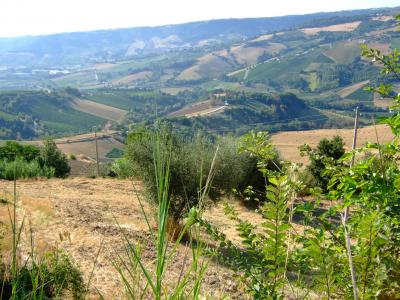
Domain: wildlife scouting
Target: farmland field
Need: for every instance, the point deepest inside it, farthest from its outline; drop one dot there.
(333, 28)
(344, 52)
(99, 110)
(352, 88)
(288, 142)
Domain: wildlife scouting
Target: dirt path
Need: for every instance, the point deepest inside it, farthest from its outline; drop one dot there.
(78, 214)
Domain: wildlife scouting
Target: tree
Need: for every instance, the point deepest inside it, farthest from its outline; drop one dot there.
(327, 152)
(51, 156)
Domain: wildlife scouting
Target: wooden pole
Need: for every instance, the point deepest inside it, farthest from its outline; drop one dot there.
(97, 153)
(346, 215)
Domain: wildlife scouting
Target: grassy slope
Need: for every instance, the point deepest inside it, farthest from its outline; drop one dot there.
(52, 110)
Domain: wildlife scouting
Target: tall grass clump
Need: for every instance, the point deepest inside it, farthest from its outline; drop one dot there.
(49, 276)
(143, 281)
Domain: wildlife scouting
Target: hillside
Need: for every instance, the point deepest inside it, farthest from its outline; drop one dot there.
(138, 74)
(28, 114)
(244, 111)
(80, 48)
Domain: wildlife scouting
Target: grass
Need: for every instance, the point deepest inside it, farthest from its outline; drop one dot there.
(153, 283)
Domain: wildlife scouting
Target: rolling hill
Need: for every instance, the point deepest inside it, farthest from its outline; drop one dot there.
(135, 75)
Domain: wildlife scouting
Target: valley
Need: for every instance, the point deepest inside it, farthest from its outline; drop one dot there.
(315, 57)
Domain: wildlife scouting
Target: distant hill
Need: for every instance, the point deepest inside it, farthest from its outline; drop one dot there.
(81, 48)
(281, 73)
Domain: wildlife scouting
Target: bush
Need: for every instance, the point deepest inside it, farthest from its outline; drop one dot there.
(11, 150)
(50, 277)
(121, 168)
(20, 168)
(190, 163)
(52, 157)
(328, 152)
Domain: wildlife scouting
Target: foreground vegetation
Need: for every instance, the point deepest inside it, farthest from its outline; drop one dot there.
(341, 242)
(27, 161)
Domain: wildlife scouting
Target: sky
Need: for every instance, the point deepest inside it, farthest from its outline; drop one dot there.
(33, 17)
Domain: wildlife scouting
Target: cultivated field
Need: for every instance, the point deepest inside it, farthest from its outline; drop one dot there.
(198, 109)
(249, 55)
(84, 144)
(208, 65)
(100, 110)
(348, 90)
(333, 28)
(287, 143)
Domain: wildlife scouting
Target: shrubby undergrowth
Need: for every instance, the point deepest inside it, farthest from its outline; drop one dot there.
(191, 160)
(27, 161)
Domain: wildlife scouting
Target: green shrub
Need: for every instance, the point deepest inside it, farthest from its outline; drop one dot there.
(52, 157)
(327, 153)
(115, 153)
(121, 168)
(50, 277)
(20, 168)
(190, 162)
(12, 149)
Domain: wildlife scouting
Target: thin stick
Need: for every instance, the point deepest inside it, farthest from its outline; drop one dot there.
(379, 149)
(346, 215)
(97, 153)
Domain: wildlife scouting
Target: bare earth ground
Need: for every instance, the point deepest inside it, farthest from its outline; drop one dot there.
(288, 143)
(77, 214)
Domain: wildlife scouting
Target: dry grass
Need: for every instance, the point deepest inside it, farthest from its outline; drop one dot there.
(287, 143)
(333, 28)
(99, 110)
(84, 213)
(348, 90)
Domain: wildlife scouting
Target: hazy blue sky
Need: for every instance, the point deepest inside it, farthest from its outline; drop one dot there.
(23, 17)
